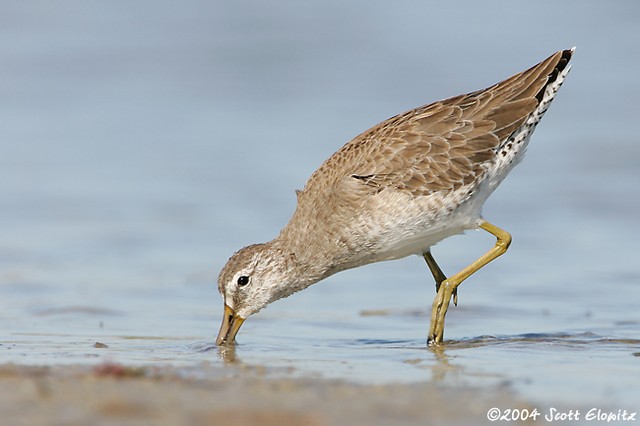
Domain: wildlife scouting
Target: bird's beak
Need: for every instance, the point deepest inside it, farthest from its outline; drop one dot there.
(231, 323)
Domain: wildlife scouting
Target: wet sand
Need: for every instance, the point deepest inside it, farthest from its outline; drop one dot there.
(111, 394)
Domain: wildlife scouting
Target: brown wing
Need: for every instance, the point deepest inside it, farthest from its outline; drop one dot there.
(443, 146)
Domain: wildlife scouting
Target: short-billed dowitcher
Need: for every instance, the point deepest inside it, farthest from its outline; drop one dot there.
(395, 190)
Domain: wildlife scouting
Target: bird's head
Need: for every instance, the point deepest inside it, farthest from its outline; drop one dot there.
(251, 279)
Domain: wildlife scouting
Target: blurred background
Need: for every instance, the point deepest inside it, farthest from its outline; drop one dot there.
(142, 143)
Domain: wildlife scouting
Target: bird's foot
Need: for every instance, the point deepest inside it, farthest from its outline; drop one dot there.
(446, 291)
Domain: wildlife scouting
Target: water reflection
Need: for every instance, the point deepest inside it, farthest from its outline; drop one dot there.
(479, 361)
(227, 353)
(444, 367)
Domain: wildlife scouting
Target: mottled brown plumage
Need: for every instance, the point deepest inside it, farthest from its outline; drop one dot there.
(440, 146)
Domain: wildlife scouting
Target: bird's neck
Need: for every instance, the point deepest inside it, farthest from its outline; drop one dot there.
(308, 264)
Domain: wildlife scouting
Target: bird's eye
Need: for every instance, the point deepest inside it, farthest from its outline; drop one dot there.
(243, 280)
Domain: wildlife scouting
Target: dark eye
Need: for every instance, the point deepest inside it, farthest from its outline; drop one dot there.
(243, 280)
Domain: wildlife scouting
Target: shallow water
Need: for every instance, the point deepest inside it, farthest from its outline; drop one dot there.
(141, 147)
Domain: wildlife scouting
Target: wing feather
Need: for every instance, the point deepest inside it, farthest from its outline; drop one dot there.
(440, 146)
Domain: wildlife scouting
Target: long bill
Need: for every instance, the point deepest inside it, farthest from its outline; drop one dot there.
(231, 323)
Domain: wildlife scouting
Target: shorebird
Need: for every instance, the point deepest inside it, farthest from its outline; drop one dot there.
(396, 190)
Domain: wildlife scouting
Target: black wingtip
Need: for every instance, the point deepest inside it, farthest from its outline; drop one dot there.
(564, 60)
(562, 63)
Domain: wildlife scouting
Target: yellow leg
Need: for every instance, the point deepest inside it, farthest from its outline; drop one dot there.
(437, 273)
(449, 286)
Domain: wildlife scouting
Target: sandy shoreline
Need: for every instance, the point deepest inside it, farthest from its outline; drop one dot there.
(114, 394)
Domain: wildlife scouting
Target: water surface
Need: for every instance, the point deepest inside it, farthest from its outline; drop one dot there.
(142, 145)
